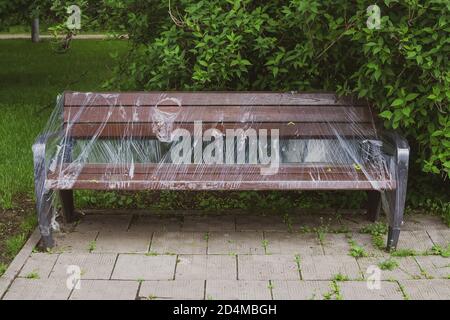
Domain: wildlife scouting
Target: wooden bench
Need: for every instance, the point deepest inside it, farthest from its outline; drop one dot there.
(363, 156)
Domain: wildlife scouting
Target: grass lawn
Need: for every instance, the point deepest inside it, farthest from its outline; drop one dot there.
(31, 76)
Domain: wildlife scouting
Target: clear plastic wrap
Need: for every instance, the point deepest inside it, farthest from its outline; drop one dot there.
(216, 141)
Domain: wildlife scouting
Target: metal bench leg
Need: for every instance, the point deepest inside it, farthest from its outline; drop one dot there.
(68, 209)
(396, 198)
(45, 215)
(373, 205)
(44, 196)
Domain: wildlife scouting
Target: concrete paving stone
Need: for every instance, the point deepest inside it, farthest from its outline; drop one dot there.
(74, 241)
(206, 267)
(39, 263)
(354, 219)
(172, 290)
(267, 267)
(293, 243)
(407, 268)
(423, 222)
(237, 290)
(122, 242)
(209, 223)
(359, 290)
(336, 244)
(440, 237)
(435, 289)
(38, 289)
(366, 242)
(327, 267)
(300, 290)
(179, 242)
(104, 222)
(152, 223)
(231, 242)
(434, 266)
(105, 290)
(260, 223)
(142, 267)
(92, 265)
(312, 222)
(418, 241)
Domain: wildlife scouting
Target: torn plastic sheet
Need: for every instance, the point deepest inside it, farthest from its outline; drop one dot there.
(178, 141)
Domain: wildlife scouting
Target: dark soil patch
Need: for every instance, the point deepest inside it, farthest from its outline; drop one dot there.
(12, 224)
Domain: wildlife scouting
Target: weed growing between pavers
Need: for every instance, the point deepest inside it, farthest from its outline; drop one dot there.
(403, 291)
(440, 251)
(335, 292)
(356, 250)
(404, 253)
(388, 264)
(92, 245)
(33, 275)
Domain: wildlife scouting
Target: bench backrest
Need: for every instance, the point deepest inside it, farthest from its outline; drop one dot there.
(310, 115)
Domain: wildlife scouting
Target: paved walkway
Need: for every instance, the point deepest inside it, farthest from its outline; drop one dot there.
(231, 257)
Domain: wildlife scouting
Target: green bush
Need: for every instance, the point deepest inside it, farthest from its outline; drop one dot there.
(402, 68)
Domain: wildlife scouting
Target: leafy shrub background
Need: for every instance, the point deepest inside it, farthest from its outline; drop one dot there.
(402, 68)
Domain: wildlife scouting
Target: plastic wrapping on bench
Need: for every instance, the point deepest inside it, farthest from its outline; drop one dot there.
(215, 141)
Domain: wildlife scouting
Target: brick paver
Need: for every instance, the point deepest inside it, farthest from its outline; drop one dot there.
(416, 240)
(92, 265)
(154, 223)
(104, 223)
(328, 267)
(260, 223)
(173, 289)
(209, 223)
(440, 237)
(268, 267)
(293, 243)
(404, 268)
(105, 290)
(142, 267)
(79, 241)
(336, 244)
(206, 267)
(434, 289)
(122, 242)
(434, 266)
(250, 242)
(237, 290)
(179, 242)
(300, 290)
(358, 290)
(37, 289)
(40, 264)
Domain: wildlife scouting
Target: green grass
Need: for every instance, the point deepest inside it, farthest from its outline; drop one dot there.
(31, 76)
(3, 268)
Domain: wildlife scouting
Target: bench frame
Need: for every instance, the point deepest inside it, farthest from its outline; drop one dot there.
(394, 199)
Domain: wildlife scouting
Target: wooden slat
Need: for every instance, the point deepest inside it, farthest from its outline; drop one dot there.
(239, 114)
(217, 177)
(292, 130)
(220, 185)
(167, 168)
(205, 98)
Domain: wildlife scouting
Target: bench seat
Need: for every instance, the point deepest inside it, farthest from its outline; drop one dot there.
(122, 141)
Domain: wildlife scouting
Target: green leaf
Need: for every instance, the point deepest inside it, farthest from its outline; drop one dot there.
(397, 102)
(386, 114)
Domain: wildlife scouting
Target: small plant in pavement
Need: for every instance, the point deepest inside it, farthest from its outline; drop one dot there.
(388, 264)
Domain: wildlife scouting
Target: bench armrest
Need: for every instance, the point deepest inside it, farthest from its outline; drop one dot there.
(399, 145)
